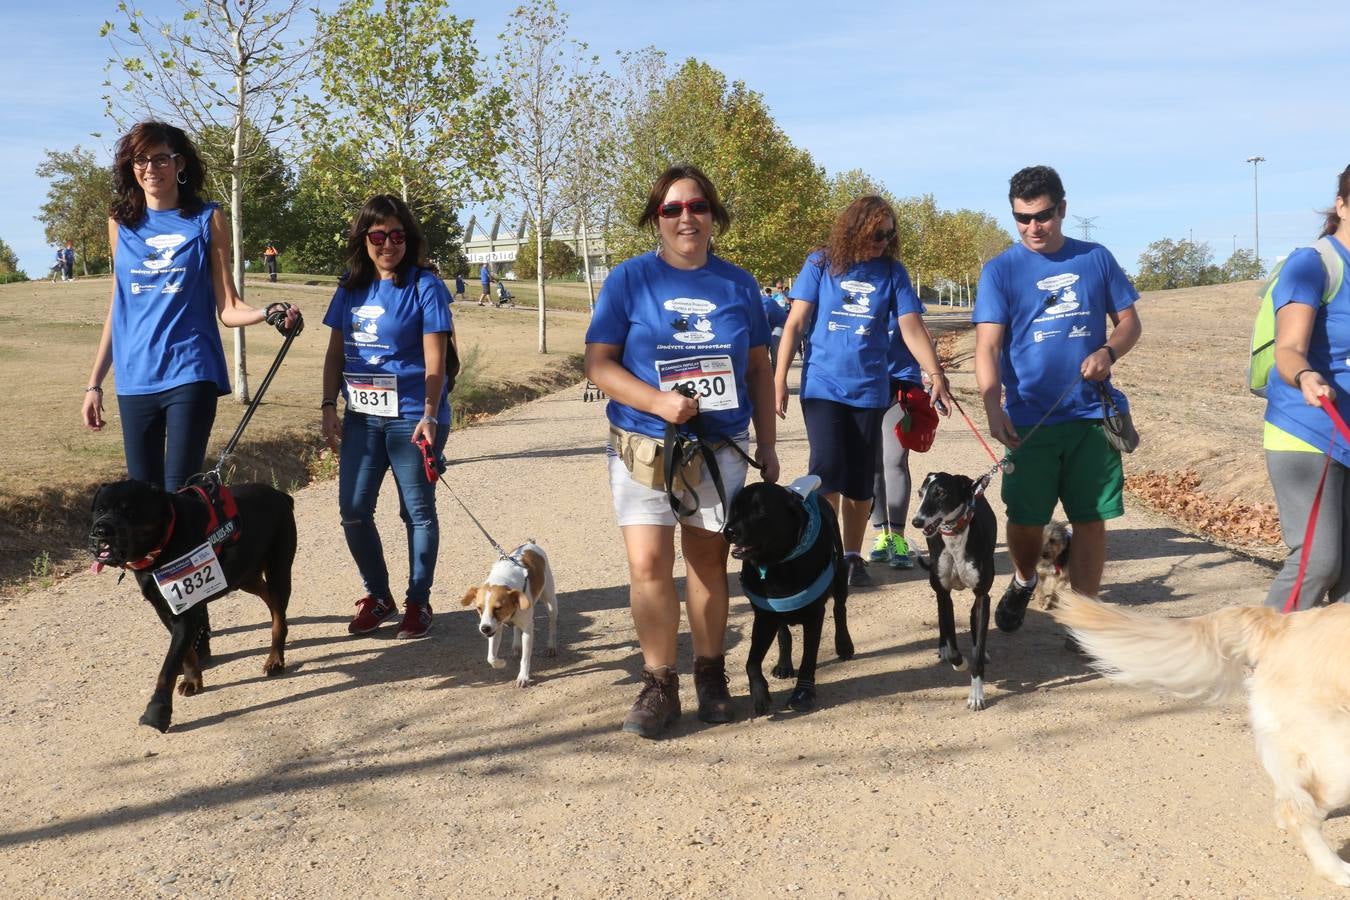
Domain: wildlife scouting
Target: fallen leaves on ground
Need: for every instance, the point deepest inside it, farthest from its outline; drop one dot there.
(1178, 495)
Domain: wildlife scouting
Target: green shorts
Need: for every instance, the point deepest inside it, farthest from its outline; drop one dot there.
(1070, 462)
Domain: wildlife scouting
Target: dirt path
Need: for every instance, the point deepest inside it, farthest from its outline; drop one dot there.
(376, 767)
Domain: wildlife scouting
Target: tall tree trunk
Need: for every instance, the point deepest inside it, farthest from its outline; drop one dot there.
(586, 260)
(539, 264)
(237, 219)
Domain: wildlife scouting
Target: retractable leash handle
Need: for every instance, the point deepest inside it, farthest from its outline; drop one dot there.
(428, 459)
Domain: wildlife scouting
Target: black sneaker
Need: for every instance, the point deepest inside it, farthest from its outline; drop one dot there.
(1012, 606)
(857, 572)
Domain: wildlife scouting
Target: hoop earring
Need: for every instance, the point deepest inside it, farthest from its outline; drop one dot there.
(182, 177)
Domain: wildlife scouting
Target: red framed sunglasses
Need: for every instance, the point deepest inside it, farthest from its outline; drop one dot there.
(396, 237)
(672, 209)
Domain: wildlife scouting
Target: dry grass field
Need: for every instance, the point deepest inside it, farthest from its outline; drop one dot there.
(48, 333)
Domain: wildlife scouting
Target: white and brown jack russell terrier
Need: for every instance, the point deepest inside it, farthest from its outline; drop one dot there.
(513, 587)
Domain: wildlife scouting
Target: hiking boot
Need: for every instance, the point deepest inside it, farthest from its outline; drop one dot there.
(370, 613)
(710, 683)
(657, 705)
(857, 572)
(416, 621)
(882, 549)
(1012, 607)
(900, 558)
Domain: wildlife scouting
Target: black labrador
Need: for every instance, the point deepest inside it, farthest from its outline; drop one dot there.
(167, 540)
(793, 561)
(961, 531)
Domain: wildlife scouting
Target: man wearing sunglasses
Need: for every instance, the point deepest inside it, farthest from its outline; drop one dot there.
(1041, 348)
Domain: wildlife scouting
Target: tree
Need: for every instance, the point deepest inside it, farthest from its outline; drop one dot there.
(266, 212)
(1242, 266)
(553, 83)
(1167, 264)
(9, 265)
(320, 219)
(559, 259)
(225, 64)
(778, 197)
(77, 205)
(400, 92)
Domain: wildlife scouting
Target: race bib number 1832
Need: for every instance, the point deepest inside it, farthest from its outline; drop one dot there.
(713, 382)
(190, 579)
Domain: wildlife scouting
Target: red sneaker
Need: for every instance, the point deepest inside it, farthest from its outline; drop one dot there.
(416, 621)
(370, 613)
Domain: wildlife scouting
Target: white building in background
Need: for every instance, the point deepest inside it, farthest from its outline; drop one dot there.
(496, 243)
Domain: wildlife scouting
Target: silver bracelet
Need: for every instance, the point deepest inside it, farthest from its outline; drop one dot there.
(431, 420)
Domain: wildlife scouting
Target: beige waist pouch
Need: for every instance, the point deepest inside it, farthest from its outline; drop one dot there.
(642, 457)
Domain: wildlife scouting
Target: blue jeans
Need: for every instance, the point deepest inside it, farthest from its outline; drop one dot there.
(184, 415)
(371, 446)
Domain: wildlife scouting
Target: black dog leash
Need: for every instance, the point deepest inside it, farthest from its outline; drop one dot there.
(257, 397)
(679, 450)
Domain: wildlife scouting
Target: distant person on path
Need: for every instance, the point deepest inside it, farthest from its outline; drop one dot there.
(171, 268)
(1312, 345)
(847, 293)
(67, 255)
(459, 286)
(485, 277)
(270, 261)
(1041, 348)
(680, 317)
(775, 310)
(390, 321)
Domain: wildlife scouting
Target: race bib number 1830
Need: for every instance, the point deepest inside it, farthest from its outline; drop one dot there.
(190, 579)
(713, 382)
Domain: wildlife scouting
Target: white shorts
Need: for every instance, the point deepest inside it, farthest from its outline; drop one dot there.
(637, 504)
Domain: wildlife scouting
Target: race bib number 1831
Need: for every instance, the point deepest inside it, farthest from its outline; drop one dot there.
(713, 382)
(374, 395)
(190, 579)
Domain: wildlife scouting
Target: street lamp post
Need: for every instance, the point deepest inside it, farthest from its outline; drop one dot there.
(1256, 205)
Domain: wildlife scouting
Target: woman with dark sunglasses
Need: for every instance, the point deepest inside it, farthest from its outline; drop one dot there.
(843, 300)
(679, 333)
(387, 358)
(171, 281)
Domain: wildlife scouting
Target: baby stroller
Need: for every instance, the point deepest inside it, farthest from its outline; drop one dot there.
(504, 297)
(57, 272)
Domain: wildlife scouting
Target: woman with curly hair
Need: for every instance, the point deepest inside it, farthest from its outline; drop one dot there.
(844, 299)
(171, 280)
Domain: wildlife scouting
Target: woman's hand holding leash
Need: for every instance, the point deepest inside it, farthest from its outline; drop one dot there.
(1314, 387)
(939, 391)
(284, 317)
(767, 457)
(675, 407)
(425, 432)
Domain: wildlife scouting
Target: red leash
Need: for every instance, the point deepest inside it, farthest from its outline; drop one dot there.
(1330, 409)
(978, 436)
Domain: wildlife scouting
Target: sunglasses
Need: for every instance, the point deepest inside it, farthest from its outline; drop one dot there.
(673, 208)
(1042, 216)
(883, 236)
(395, 237)
(159, 160)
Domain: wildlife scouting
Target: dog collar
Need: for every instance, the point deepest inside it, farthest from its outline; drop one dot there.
(809, 533)
(796, 601)
(148, 561)
(958, 526)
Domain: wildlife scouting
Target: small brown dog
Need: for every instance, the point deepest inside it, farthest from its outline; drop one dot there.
(508, 597)
(1054, 557)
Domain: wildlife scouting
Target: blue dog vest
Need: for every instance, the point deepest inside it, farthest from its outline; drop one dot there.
(752, 579)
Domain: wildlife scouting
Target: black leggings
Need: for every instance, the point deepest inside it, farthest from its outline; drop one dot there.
(182, 415)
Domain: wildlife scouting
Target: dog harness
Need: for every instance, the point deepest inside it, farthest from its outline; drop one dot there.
(753, 579)
(222, 514)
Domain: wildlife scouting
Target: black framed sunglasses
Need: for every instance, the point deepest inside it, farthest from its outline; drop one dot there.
(159, 160)
(396, 237)
(672, 209)
(1042, 216)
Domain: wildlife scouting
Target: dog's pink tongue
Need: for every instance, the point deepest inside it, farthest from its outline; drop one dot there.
(96, 567)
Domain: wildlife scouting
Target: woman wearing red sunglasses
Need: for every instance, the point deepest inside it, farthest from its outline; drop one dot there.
(848, 293)
(680, 319)
(386, 357)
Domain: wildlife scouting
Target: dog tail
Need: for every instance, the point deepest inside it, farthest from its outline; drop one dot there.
(1200, 657)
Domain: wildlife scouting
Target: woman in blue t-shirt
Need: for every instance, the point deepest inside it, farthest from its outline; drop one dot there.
(386, 357)
(672, 320)
(171, 281)
(1312, 361)
(843, 300)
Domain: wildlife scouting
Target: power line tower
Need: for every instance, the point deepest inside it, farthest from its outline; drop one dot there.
(1085, 225)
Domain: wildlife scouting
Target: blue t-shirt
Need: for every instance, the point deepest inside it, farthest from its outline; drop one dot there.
(1053, 308)
(485, 276)
(164, 331)
(681, 326)
(459, 285)
(775, 309)
(847, 340)
(1302, 280)
(382, 328)
(903, 365)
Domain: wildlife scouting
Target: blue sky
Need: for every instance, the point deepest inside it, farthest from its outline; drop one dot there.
(1148, 110)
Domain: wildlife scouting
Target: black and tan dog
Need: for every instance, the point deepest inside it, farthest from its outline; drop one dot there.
(793, 561)
(184, 554)
(961, 530)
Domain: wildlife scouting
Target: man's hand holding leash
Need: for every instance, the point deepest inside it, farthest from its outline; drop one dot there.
(1097, 364)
